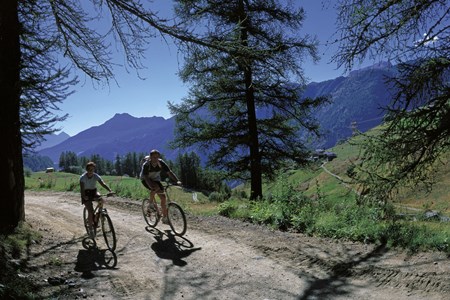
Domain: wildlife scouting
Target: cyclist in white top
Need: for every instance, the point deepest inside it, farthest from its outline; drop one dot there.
(88, 189)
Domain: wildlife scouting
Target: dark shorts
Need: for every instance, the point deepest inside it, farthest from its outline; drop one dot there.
(92, 196)
(154, 185)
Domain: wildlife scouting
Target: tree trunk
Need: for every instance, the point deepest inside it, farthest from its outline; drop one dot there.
(255, 157)
(12, 186)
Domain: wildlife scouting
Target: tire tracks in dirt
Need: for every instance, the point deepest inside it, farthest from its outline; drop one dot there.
(219, 258)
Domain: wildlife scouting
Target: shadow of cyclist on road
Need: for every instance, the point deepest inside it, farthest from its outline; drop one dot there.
(94, 259)
(167, 246)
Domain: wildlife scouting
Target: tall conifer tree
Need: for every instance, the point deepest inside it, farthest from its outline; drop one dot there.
(35, 32)
(244, 105)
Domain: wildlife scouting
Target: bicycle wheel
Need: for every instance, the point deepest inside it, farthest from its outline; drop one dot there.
(89, 243)
(177, 219)
(108, 231)
(150, 213)
(110, 258)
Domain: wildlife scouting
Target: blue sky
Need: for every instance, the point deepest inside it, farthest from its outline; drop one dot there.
(92, 106)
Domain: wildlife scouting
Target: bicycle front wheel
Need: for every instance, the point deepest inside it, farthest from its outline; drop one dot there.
(150, 213)
(108, 231)
(110, 258)
(177, 219)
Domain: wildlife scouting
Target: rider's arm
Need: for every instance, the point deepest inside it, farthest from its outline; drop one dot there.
(169, 172)
(145, 176)
(82, 189)
(174, 177)
(103, 184)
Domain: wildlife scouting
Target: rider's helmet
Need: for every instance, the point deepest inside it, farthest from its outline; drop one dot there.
(154, 151)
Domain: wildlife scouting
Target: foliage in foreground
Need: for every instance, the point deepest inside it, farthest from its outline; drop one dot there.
(289, 209)
(12, 249)
(407, 151)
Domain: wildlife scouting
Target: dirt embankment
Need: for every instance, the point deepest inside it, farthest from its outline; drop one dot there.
(218, 258)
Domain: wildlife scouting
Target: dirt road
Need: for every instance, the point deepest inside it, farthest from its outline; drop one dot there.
(217, 259)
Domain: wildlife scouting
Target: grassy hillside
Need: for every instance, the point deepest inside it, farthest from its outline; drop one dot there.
(317, 179)
(319, 200)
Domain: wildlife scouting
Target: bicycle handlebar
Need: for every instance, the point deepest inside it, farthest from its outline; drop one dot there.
(167, 185)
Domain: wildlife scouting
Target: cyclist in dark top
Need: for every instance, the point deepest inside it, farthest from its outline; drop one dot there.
(151, 179)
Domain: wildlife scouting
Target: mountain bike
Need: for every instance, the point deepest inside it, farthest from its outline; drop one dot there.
(175, 214)
(103, 222)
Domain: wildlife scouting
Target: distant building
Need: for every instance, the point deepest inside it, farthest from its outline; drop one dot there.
(320, 154)
(49, 170)
(330, 155)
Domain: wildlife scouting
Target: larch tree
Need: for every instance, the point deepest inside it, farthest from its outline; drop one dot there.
(11, 162)
(415, 139)
(245, 107)
(34, 36)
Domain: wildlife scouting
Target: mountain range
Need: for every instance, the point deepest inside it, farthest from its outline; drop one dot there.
(356, 103)
(52, 140)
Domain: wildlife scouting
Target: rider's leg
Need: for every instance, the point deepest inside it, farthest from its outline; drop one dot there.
(96, 217)
(91, 227)
(162, 197)
(90, 209)
(152, 197)
(152, 201)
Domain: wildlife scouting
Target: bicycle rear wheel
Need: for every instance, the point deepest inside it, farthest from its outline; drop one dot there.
(150, 213)
(108, 231)
(177, 219)
(89, 243)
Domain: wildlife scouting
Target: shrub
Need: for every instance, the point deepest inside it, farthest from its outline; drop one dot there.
(227, 208)
(235, 208)
(217, 197)
(72, 186)
(27, 172)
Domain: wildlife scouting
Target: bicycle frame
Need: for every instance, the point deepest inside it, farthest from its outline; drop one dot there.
(100, 216)
(175, 214)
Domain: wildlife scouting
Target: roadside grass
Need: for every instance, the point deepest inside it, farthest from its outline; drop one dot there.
(333, 217)
(311, 201)
(307, 200)
(127, 187)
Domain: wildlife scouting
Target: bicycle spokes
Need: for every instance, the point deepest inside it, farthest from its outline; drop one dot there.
(108, 231)
(150, 213)
(177, 219)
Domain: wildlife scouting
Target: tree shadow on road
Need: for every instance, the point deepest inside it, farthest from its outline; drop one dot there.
(171, 247)
(336, 283)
